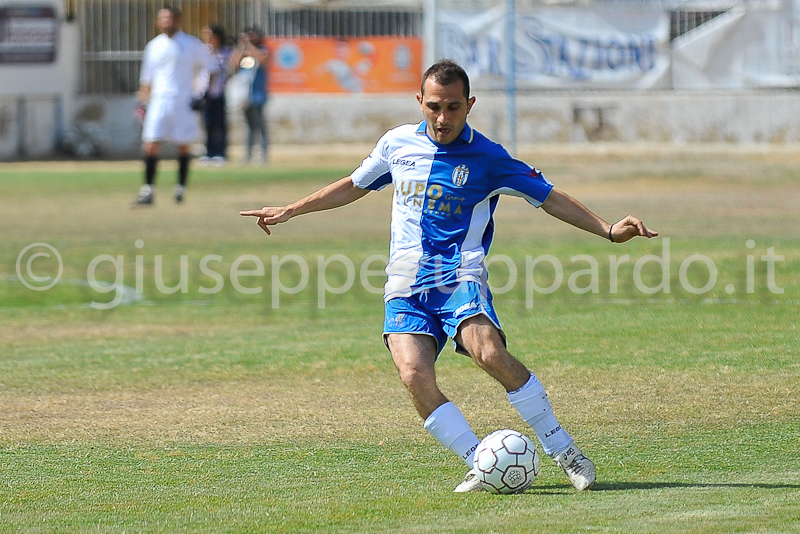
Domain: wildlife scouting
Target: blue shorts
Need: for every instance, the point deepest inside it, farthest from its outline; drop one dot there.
(438, 312)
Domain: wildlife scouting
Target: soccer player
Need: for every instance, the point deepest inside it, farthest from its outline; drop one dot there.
(171, 60)
(447, 178)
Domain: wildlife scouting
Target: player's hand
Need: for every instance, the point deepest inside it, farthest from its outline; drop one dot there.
(268, 216)
(628, 228)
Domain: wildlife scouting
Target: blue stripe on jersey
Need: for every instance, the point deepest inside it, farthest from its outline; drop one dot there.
(378, 183)
(444, 201)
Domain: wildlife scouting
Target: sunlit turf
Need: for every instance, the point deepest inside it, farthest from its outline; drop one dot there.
(231, 411)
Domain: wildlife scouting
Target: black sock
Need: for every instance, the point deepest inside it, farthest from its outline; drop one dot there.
(150, 164)
(183, 169)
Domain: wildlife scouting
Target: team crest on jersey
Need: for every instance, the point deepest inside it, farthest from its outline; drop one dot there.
(460, 175)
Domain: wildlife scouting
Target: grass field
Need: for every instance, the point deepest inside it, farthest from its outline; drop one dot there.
(194, 405)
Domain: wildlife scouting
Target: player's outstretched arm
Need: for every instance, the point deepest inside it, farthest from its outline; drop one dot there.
(562, 206)
(337, 194)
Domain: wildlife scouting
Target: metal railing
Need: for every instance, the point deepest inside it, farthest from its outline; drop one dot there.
(681, 22)
(115, 33)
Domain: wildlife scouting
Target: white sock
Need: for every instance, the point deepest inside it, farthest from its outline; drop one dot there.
(448, 425)
(533, 405)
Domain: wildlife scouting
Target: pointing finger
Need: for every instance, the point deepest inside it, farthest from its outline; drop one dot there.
(251, 213)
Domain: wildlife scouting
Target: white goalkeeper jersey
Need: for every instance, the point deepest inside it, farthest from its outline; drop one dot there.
(171, 63)
(444, 200)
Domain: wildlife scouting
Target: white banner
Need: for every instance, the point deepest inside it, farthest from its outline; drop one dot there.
(739, 50)
(561, 48)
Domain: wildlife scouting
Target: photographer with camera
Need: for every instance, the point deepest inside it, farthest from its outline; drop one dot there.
(250, 61)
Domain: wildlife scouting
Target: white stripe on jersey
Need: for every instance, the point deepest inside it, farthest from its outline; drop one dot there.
(444, 199)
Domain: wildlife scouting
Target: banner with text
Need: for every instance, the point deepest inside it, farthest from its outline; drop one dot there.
(561, 48)
(353, 65)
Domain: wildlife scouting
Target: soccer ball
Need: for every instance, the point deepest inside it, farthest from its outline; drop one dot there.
(506, 462)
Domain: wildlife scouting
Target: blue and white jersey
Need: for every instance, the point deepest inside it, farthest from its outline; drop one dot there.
(444, 199)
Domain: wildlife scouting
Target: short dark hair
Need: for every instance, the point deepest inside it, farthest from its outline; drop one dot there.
(176, 12)
(219, 32)
(257, 31)
(446, 72)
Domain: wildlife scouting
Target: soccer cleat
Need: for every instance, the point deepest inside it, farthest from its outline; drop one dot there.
(145, 197)
(579, 469)
(470, 483)
(179, 192)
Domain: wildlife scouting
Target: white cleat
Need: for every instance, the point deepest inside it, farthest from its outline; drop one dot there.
(579, 469)
(470, 483)
(180, 191)
(145, 197)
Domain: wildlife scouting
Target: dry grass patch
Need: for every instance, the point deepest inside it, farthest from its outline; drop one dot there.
(373, 406)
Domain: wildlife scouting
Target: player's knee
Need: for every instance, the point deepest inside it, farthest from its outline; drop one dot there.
(151, 149)
(492, 357)
(416, 378)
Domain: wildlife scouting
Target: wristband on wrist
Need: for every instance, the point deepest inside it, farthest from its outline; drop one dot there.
(610, 237)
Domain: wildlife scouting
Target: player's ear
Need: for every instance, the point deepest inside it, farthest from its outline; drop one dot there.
(470, 103)
(419, 99)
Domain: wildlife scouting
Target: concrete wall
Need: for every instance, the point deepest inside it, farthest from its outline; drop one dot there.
(664, 117)
(752, 117)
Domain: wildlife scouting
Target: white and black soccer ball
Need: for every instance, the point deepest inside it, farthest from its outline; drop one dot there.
(506, 462)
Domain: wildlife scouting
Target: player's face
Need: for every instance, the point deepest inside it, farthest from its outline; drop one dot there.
(445, 109)
(167, 22)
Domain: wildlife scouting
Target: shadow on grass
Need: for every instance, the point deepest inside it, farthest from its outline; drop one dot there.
(626, 486)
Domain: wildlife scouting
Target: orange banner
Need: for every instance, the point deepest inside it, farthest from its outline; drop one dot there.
(354, 65)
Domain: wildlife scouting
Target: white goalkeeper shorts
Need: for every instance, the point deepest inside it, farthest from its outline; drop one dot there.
(170, 119)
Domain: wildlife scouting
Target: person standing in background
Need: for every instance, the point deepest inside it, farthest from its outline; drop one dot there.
(165, 98)
(251, 59)
(214, 114)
